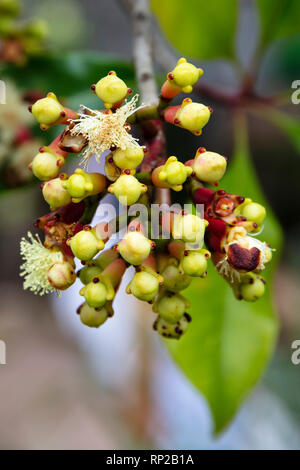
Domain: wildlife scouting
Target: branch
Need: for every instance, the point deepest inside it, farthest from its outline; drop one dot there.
(142, 57)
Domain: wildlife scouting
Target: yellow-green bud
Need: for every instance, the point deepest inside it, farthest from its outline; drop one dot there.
(111, 89)
(174, 173)
(61, 275)
(134, 248)
(93, 317)
(252, 290)
(55, 194)
(81, 184)
(95, 293)
(127, 189)
(209, 166)
(172, 330)
(171, 306)
(193, 116)
(144, 286)
(46, 165)
(188, 228)
(130, 158)
(185, 75)
(254, 212)
(85, 245)
(175, 281)
(194, 263)
(47, 111)
(88, 273)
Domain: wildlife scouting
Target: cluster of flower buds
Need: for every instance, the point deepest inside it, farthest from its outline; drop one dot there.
(19, 39)
(166, 262)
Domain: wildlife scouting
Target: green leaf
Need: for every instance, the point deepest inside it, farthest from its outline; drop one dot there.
(279, 18)
(288, 125)
(199, 28)
(68, 73)
(229, 342)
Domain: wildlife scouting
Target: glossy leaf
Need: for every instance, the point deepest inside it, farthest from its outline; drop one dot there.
(229, 342)
(199, 28)
(68, 73)
(278, 18)
(288, 125)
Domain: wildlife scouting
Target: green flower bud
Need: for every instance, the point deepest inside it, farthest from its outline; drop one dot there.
(47, 111)
(252, 290)
(81, 184)
(209, 166)
(95, 293)
(254, 212)
(130, 158)
(61, 275)
(93, 317)
(134, 248)
(175, 281)
(85, 245)
(88, 273)
(55, 194)
(172, 330)
(194, 263)
(171, 306)
(46, 165)
(144, 286)
(174, 173)
(127, 189)
(188, 228)
(185, 75)
(111, 89)
(193, 116)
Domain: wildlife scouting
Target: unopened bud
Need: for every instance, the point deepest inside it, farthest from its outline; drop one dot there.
(47, 111)
(174, 280)
(46, 165)
(81, 184)
(85, 245)
(171, 307)
(55, 194)
(172, 330)
(252, 290)
(129, 158)
(93, 317)
(254, 212)
(127, 189)
(188, 228)
(134, 248)
(194, 263)
(209, 166)
(185, 75)
(192, 116)
(95, 294)
(111, 90)
(144, 286)
(174, 173)
(61, 275)
(88, 273)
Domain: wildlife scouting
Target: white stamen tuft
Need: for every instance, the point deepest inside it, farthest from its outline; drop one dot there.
(37, 261)
(105, 130)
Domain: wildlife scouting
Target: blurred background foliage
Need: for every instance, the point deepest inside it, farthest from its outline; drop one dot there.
(249, 50)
